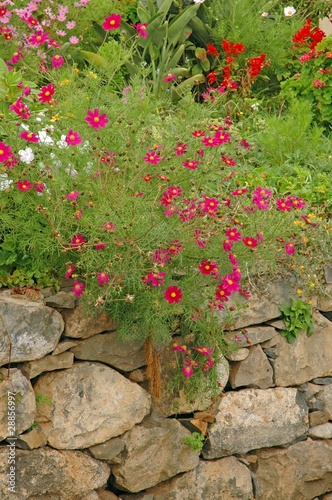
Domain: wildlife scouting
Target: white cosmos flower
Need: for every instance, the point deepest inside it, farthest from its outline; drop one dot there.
(44, 138)
(4, 182)
(289, 11)
(26, 155)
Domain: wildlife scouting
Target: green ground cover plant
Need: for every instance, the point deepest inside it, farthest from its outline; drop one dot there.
(160, 195)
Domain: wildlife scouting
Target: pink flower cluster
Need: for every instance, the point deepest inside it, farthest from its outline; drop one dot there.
(191, 363)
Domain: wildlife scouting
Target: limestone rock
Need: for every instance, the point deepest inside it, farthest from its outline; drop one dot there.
(81, 326)
(324, 302)
(19, 388)
(255, 418)
(108, 450)
(47, 364)
(63, 300)
(32, 439)
(65, 345)
(253, 335)
(302, 471)
(254, 371)
(154, 452)
(323, 431)
(90, 403)
(318, 418)
(238, 355)
(223, 479)
(306, 358)
(325, 395)
(108, 349)
(46, 473)
(34, 329)
(106, 495)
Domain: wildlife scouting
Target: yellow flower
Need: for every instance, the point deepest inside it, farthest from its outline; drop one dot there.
(299, 291)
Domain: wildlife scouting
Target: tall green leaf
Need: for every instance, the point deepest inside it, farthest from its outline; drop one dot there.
(180, 22)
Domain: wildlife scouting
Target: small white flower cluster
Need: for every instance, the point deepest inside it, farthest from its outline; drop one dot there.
(289, 11)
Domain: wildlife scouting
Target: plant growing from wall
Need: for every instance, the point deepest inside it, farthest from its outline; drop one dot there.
(297, 317)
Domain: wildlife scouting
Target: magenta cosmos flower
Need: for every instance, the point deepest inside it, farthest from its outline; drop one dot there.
(95, 119)
(57, 61)
(152, 157)
(5, 152)
(173, 294)
(112, 22)
(78, 288)
(29, 136)
(46, 93)
(73, 138)
(103, 278)
(141, 29)
(73, 195)
(24, 185)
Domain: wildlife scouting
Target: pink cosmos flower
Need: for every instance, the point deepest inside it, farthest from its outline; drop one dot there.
(39, 186)
(141, 29)
(198, 133)
(210, 205)
(112, 22)
(5, 152)
(296, 202)
(191, 164)
(78, 288)
(95, 119)
(73, 138)
(261, 203)
(180, 149)
(46, 93)
(203, 350)
(250, 242)
(233, 234)
(174, 191)
(100, 246)
(38, 38)
(152, 157)
(173, 294)
(11, 162)
(24, 185)
(207, 267)
(108, 226)
(228, 161)
(74, 40)
(29, 136)
(160, 257)
(174, 248)
(57, 61)
(284, 205)
(230, 283)
(102, 278)
(180, 348)
(188, 371)
(222, 293)
(155, 278)
(227, 245)
(70, 271)
(262, 192)
(239, 192)
(289, 248)
(78, 214)
(210, 142)
(20, 109)
(73, 195)
(77, 240)
(170, 77)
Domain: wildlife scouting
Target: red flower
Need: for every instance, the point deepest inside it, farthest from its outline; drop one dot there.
(285, 205)
(207, 267)
(250, 242)
(24, 185)
(222, 293)
(227, 245)
(112, 22)
(46, 93)
(38, 38)
(238, 192)
(73, 195)
(211, 49)
(233, 49)
(39, 186)
(78, 288)
(174, 248)
(191, 164)
(77, 240)
(204, 351)
(228, 161)
(20, 109)
(57, 61)
(173, 294)
(198, 133)
(155, 278)
(141, 29)
(108, 226)
(256, 65)
(95, 119)
(29, 136)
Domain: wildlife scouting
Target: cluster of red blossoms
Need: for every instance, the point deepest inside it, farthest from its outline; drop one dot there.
(252, 66)
(204, 362)
(308, 36)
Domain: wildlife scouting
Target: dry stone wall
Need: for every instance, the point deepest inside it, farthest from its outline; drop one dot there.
(86, 427)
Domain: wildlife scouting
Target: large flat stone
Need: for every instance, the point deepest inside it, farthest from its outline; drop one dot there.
(256, 418)
(301, 472)
(32, 328)
(307, 358)
(80, 325)
(89, 404)
(254, 371)
(45, 473)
